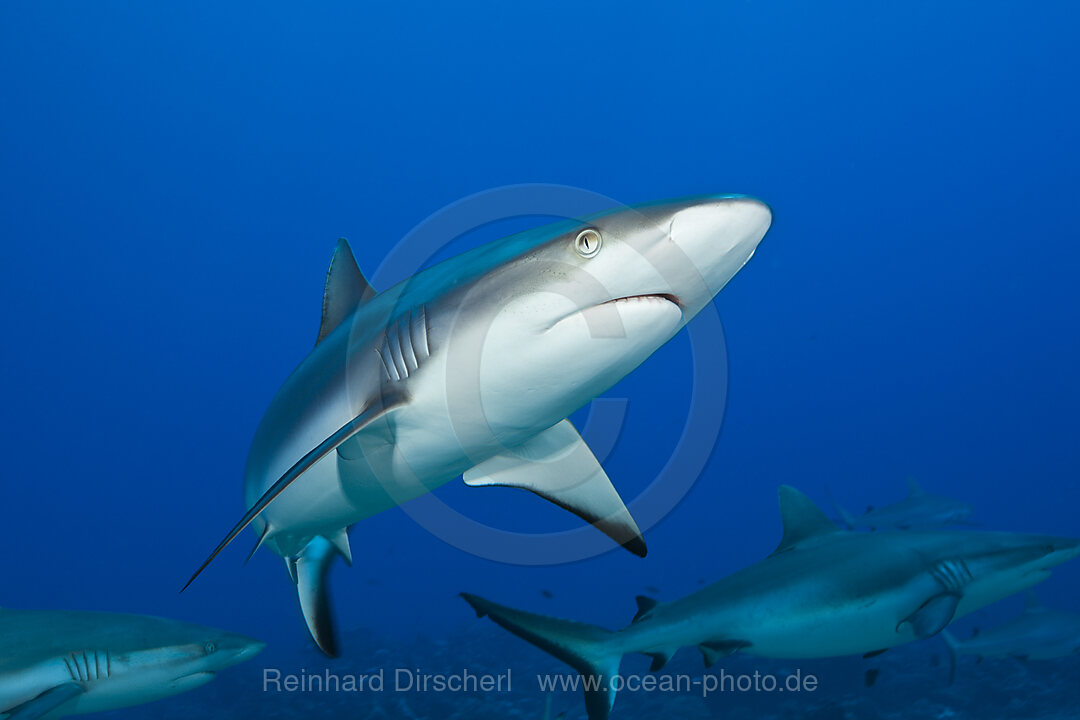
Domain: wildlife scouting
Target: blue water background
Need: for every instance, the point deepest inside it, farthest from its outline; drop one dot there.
(173, 179)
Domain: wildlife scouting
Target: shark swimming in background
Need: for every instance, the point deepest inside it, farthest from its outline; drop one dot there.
(471, 367)
(1037, 634)
(824, 592)
(918, 509)
(55, 663)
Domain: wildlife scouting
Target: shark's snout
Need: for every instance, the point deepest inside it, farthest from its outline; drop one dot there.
(719, 234)
(233, 649)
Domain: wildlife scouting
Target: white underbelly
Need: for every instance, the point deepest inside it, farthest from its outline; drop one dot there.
(421, 446)
(370, 475)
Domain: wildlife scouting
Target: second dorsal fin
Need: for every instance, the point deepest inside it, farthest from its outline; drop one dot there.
(346, 288)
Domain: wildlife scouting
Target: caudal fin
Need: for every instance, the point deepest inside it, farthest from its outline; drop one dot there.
(310, 569)
(586, 648)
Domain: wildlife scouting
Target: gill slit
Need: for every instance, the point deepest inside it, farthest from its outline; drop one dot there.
(70, 670)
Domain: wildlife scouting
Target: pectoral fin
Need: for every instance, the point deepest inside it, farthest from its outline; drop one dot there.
(44, 703)
(558, 466)
(933, 616)
(327, 446)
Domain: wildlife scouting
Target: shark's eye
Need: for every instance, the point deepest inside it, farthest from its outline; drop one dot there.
(209, 648)
(588, 243)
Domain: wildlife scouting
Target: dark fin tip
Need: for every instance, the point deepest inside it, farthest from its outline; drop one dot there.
(637, 546)
(474, 603)
(329, 646)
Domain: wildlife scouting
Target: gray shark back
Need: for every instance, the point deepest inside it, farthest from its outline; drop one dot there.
(29, 636)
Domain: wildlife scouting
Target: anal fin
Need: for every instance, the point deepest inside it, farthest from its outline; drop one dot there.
(340, 541)
(558, 466)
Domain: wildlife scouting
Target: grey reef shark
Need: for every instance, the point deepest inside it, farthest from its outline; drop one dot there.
(823, 592)
(918, 509)
(1039, 633)
(471, 367)
(55, 663)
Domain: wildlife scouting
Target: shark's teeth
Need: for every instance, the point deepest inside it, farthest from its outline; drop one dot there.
(654, 297)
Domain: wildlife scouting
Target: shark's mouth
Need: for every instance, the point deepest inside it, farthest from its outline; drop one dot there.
(650, 297)
(628, 301)
(196, 678)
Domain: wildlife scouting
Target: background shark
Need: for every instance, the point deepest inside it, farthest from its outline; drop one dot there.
(824, 592)
(918, 509)
(472, 367)
(1037, 634)
(55, 663)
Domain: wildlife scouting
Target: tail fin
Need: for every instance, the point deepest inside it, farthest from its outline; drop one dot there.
(586, 648)
(950, 643)
(845, 517)
(310, 569)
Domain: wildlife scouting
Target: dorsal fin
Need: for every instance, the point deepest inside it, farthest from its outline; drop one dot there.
(913, 487)
(345, 289)
(802, 519)
(644, 605)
